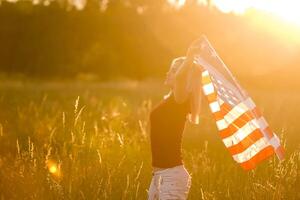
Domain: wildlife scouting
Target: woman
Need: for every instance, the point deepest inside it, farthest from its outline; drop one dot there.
(170, 179)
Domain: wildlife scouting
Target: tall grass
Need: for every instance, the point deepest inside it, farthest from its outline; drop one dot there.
(91, 141)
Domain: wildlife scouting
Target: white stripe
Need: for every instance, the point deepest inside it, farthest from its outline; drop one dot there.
(220, 101)
(205, 73)
(262, 123)
(274, 141)
(243, 132)
(251, 151)
(256, 122)
(239, 110)
(214, 107)
(240, 134)
(249, 103)
(276, 145)
(208, 88)
(221, 124)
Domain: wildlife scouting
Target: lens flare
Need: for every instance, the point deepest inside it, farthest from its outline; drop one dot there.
(53, 168)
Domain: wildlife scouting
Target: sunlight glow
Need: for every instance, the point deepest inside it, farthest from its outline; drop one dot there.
(79, 4)
(287, 10)
(177, 3)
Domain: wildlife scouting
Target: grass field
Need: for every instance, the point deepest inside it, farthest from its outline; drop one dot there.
(76, 140)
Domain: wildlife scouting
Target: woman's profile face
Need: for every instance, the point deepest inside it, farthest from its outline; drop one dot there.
(170, 78)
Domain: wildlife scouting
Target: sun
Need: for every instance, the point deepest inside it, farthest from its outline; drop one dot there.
(288, 11)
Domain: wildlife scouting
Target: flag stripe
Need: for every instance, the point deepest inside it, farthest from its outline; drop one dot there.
(205, 73)
(245, 142)
(206, 80)
(251, 151)
(219, 115)
(241, 133)
(226, 107)
(256, 112)
(274, 141)
(269, 132)
(208, 89)
(212, 97)
(260, 156)
(280, 152)
(239, 110)
(228, 131)
(234, 126)
(221, 124)
(243, 129)
(214, 107)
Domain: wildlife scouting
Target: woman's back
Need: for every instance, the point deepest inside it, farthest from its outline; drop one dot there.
(167, 121)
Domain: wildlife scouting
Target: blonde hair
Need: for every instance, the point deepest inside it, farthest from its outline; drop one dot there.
(176, 62)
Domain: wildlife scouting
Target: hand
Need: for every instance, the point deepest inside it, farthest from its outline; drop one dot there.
(194, 48)
(196, 43)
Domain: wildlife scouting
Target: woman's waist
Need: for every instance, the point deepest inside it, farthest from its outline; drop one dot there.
(159, 170)
(156, 169)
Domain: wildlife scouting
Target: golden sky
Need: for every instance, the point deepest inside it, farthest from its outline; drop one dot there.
(287, 10)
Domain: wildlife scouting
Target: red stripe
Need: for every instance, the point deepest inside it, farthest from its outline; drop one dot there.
(260, 156)
(238, 123)
(224, 109)
(269, 132)
(257, 112)
(280, 152)
(246, 142)
(243, 119)
(212, 97)
(206, 80)
(219, 115)
(228, 131)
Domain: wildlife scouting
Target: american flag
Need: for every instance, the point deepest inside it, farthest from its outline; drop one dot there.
(242, 128)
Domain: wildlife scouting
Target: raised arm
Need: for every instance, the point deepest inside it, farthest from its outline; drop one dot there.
(182, 75)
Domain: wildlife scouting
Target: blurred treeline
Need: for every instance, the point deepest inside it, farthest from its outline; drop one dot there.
(135, 39)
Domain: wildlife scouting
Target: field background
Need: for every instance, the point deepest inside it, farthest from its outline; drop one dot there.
(90, 140)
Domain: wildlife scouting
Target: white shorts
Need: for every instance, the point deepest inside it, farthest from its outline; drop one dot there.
(171, 183)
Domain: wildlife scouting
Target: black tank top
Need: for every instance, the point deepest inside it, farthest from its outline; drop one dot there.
(167, 120)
